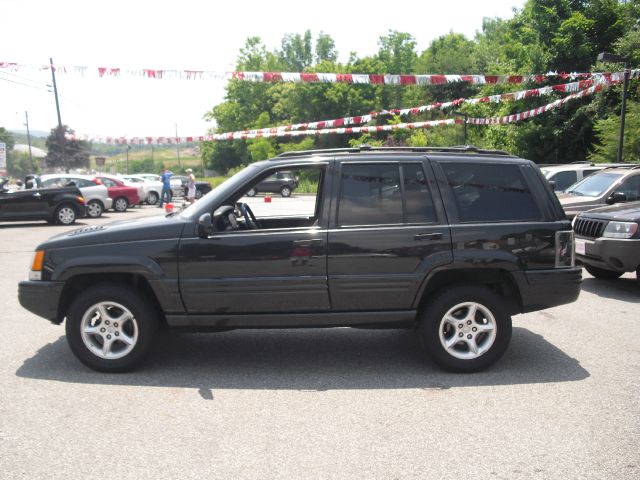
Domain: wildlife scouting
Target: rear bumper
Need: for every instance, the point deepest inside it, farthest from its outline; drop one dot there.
(617, 254)
(41, 298)
(540, 289)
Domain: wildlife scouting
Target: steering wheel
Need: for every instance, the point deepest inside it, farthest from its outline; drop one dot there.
(249, 218)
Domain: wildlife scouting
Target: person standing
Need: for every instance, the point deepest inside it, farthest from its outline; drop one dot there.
(191, 186)
(166, 186)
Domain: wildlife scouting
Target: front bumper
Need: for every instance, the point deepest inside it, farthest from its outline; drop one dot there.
(617, 254)
(41, 298)
(540, 289)
(108, 203)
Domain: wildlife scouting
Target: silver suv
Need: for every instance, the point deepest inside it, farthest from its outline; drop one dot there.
(613, 185)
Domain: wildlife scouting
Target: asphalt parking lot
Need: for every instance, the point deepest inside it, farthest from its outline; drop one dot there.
(564, 402)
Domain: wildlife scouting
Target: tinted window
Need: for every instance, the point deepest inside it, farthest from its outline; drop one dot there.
(490, 192)
(418, 202)
(631, 188)
(370, 194)
(564, 179)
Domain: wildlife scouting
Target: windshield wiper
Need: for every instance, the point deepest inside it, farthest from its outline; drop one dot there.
(575, 192)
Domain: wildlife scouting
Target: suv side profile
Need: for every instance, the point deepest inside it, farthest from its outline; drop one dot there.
(563, 176)
(449, 241)
(282, 182)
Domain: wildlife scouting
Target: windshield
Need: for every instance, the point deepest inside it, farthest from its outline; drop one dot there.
(595, 185)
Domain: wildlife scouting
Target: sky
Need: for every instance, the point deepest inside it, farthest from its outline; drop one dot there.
(183, 35)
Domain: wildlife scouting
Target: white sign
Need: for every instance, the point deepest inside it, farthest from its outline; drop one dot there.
(3, 155)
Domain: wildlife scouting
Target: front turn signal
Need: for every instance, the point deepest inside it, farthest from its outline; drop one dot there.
(36, 265)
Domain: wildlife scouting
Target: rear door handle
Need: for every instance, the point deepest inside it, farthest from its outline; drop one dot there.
(427, 236)
(316, 242)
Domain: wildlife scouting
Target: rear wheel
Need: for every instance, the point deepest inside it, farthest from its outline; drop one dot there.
(152, 198)
(285, 191)
(94, 209)
(465, 328)
(65, 214)
(198, 194)
(110, 328)
(252, 192)
(120, 204)
(601, 273)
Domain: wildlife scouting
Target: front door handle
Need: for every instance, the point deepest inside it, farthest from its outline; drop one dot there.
(427, 236)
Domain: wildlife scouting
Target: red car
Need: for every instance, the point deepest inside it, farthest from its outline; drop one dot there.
(123, 196)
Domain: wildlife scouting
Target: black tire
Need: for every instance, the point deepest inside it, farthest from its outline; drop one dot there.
(601, 273)
(120, 204)
(140, 327)
(152, 198)
(285, 191)
(252, 192)
(65, 214)
(435, 332)
(94, 209)
(198, 194)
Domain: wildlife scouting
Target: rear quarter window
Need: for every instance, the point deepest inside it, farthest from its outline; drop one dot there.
(486, 192)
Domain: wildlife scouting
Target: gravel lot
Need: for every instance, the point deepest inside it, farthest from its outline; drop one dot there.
(564, 402)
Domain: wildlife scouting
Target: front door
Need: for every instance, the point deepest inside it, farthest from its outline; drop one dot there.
(280, 267)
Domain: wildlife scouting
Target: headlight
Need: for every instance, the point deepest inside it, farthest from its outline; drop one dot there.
(620, 230)
(36, 265)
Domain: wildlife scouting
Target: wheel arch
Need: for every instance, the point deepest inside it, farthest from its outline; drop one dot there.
(499, 280)
(78, 283)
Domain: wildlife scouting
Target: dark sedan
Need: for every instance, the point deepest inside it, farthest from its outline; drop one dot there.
(55, 205)
(202, 188)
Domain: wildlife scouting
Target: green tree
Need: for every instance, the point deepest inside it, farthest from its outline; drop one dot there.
(7, 138)
(297, 51)
(608, 135)
(325, 49)
(62, 152)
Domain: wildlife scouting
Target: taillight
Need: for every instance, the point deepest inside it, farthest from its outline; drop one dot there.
(565, 251)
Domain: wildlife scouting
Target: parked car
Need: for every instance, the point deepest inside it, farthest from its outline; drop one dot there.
(202, 187)
(55, 205)
(123, 196)
(282, 182)
(608, 240)
(564, 176)
(613, 185)
(95, 194)
(175, 182)
(151, 189)
(449, 241)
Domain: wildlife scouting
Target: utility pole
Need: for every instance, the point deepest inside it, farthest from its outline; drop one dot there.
(60, 132)
(26, 116)
(178, 147)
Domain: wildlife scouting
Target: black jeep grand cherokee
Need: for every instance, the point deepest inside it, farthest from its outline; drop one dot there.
(451, 241)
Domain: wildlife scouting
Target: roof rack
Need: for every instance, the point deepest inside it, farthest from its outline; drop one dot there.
(369, 148)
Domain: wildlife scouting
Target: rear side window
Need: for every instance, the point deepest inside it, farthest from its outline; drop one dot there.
(490, 192)
(564, 179)
(384, 194)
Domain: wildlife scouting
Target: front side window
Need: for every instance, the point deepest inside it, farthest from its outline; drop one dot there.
(384, 194)
(564, 179)
(490, 192)
(631, 188)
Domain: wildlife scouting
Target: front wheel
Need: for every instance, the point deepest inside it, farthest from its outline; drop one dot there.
(110, 328)
(601, 273)
(252, 192)
(465, 328)
(94, 209)
(120, 204)
(65, 215)
(198, 194)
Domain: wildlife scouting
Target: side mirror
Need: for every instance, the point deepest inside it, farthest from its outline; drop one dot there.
(553, 185)
(616, 197)
(29, 184)
(205, 225)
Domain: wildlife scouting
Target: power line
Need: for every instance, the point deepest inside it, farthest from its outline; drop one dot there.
(22, 84)
(24, 78)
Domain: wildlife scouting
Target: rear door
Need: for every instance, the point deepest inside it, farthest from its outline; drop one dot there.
(388, 230)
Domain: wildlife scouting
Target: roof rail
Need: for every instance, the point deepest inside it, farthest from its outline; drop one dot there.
(369, 148)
